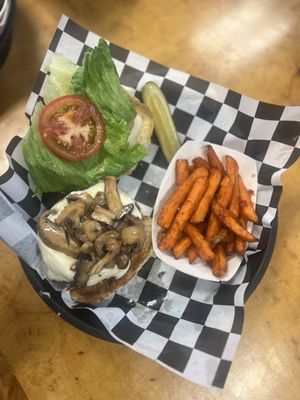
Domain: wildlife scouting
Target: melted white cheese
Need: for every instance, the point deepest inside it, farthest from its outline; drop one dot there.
(59, 264)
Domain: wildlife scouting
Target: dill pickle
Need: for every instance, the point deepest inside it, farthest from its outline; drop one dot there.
(164, 126)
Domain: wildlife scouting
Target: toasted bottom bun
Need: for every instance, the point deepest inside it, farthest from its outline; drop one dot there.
(96, 293)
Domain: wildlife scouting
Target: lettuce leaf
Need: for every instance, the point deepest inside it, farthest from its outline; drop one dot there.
(98, 80)
(53, 174)
(59, 80)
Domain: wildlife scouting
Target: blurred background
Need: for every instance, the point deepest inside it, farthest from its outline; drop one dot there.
(250, 46)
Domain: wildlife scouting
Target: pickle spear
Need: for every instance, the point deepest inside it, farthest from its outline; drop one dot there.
(164, 126)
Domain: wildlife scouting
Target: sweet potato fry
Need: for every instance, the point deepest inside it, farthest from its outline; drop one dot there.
(201, 227)
(192, 254)
(230, 244)
(181, 246)
(220, 236)
(214, 160)
(240, 244)
(231, 168)
(161, 234)
(234, 204)
(223, 198)
(202, 247)
(175, 200)
(232, 171)
(246, 206)
(200, 162)
(181, 171)
(219, 263)
(229, 220)
(203, 206)
(184, 213)
(191, 169)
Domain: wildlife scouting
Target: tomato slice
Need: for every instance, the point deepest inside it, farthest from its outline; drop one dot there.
(72, 128)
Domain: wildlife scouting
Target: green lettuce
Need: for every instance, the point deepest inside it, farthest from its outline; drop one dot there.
(98, 80)
(59, 80)
(53, 174)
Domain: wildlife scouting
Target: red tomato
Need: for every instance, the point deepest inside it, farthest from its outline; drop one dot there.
(72, 128)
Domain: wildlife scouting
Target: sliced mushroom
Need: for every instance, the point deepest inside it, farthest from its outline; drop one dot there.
(127, 209)
(88, 231)
(87, 248)
(55, 237)
(107, 259)
(135, 233)
(100, 199)
(73, 211)
(69, 228)
(83, 267)
(122, 260)
(83, 196)
(112, 196)
(105, 239)
(101, 214)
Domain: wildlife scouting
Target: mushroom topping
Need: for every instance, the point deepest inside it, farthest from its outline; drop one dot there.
(96, 230)
(82, 267)
(103, 215)
(134, 234)
(87, 248)
(55, 236)
(88, 230)
(83, 196)
(127, 209)
(112, 196)
(109, 256)
(122, 260)
(73, 211)
(100, 199)
(107, 239)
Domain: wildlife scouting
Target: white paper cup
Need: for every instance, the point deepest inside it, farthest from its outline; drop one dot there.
(190, 150)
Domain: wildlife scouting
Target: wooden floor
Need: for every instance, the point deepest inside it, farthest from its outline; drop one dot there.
(10, 388)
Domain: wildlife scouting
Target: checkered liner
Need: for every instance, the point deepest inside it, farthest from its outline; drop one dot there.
(188, 325)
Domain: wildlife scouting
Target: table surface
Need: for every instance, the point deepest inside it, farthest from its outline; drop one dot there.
(250, 46)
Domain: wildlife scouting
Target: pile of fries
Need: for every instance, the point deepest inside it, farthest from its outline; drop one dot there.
(206, 215)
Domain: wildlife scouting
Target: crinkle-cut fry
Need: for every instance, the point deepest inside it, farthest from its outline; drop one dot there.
(201, 245)
(184, 214)
(214, 160)
(181, 246)
(229, 245)
(200, 162)
(246, 206)
(203, 206)
(223, 197)
(229, 220)
(192, 254)
(177, 197)
(181, 171)
(219, 264)
(241, 244)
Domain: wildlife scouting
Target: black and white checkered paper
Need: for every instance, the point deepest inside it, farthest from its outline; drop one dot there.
(189, 326)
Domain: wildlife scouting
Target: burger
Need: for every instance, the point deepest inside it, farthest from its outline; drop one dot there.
(85, 133)
(94, 241)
